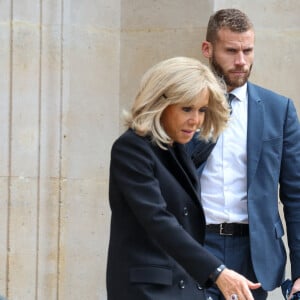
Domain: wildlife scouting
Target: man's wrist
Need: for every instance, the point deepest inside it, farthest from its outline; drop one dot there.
(216, 273)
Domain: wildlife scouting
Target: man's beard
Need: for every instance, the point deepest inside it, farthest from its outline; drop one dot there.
(225, 78)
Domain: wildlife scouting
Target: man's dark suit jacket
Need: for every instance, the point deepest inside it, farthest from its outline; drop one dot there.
(157, 224)
(273, 159)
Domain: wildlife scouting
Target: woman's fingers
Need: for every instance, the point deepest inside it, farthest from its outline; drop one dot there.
(235, 286)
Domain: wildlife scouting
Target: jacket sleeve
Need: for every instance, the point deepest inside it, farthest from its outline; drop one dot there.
(290, 185)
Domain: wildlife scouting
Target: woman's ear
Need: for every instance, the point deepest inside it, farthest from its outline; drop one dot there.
(207, 49)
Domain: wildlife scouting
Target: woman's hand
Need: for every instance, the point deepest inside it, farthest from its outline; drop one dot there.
(235, 286)
(295, 288)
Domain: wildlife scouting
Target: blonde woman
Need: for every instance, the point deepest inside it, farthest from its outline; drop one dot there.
(157, 221)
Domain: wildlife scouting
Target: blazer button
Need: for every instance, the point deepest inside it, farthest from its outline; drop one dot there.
(181, 284)
(185, 211)
(199, 287)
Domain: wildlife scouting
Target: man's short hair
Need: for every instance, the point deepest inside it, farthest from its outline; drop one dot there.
(230, 18)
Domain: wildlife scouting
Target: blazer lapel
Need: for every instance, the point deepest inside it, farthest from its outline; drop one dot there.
(255, 132)
(199, 150)
(184, 171)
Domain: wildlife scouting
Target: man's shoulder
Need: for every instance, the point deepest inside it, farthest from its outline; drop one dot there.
(257, 90)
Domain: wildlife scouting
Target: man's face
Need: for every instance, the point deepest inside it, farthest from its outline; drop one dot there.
(232, 56)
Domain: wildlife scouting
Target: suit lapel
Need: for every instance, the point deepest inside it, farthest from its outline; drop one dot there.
(255, 131)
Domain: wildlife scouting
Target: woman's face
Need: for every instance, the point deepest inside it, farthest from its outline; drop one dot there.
(181, 122)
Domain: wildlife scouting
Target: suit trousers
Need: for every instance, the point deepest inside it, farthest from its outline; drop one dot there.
(234, 251)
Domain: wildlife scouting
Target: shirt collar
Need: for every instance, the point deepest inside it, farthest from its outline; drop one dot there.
(240, 92)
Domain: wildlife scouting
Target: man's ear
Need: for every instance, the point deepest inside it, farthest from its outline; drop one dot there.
(207, 49)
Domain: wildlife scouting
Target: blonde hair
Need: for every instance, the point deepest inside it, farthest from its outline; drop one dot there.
(176, 80)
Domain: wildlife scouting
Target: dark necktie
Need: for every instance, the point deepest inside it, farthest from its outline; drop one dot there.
(230, 97)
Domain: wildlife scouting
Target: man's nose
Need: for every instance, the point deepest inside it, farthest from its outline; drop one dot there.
(240, 59)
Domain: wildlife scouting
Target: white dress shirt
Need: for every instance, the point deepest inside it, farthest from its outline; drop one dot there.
(224, 179)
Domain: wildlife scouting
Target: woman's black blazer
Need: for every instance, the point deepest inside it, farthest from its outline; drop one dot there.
(157, 224)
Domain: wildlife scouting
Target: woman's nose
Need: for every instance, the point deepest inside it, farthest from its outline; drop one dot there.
(196, 119)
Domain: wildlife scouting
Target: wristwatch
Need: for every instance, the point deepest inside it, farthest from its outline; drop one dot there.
(216, 273)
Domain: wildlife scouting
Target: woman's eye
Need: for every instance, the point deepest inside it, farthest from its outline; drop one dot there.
(187, 109)
(203, 109)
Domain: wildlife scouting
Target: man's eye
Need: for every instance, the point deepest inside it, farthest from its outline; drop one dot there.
(231, 50)
(248, 51)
